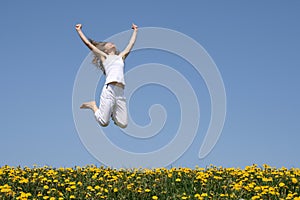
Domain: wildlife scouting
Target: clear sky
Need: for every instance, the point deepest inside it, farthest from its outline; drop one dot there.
(254, 44)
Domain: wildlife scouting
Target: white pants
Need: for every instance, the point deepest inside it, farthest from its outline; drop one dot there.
(112, 104)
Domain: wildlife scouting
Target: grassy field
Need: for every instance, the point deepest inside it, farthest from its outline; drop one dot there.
(91, 182)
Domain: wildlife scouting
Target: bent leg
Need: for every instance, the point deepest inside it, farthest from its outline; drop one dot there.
(101, 118)
(99, 114)
(103, 114)
(119, 115)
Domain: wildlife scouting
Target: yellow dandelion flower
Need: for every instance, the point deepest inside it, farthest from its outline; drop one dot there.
(204, 195)
(46, 187)
(257, 188)
(154, 197)
(267, 179)
(129, 187)
(281, 184)
(24, 180)
(266, 166)
(237, 186)
(72, 183)
(290, 196)
(22, 195)
(73, 187)
(97, 187)
(5, 190)
(255, 197)
(272, 191)
(89, 187)
(294, 180)
(218, 178)
(147, 190)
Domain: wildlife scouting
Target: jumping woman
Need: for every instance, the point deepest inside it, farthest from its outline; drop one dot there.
(111, 62)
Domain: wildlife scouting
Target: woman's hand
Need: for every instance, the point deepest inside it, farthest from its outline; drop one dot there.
(134, 27)
(78, 27)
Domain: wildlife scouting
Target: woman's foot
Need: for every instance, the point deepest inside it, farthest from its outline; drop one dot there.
(89, 105)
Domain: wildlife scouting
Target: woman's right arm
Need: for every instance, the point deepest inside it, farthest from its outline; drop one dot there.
(87, 42)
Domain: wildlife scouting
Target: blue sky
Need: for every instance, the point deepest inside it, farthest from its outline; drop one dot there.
(254, 44)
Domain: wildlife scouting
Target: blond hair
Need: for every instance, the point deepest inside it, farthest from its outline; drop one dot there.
(96, 60)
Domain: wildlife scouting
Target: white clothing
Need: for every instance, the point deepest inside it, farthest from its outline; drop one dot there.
(112, 104)
(114, 69)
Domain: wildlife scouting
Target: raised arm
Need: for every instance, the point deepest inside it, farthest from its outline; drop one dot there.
(88, 43)
(127, 50)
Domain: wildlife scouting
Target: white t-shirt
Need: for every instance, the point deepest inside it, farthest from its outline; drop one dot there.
(114, 69)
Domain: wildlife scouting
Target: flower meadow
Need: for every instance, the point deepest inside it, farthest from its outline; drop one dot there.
(91, 182)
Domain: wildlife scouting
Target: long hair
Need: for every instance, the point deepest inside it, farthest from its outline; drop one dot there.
(96, 60)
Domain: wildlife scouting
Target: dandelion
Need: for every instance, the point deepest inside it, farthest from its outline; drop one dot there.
(237, 186)
(267, 179)
(281, 184)
(24, 180)
(147, 190)
(5, 189)
(139, 190)
(255, 197)
(154, 197)
(89, 187)
(218, 178)
(25, 195)
(97, 187)
(204, 195)
(73, 187)
(294, 180)
(129, 186)
(46, 187)
(272, 191)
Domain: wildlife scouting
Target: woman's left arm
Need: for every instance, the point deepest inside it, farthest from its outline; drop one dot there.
(127, 50)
